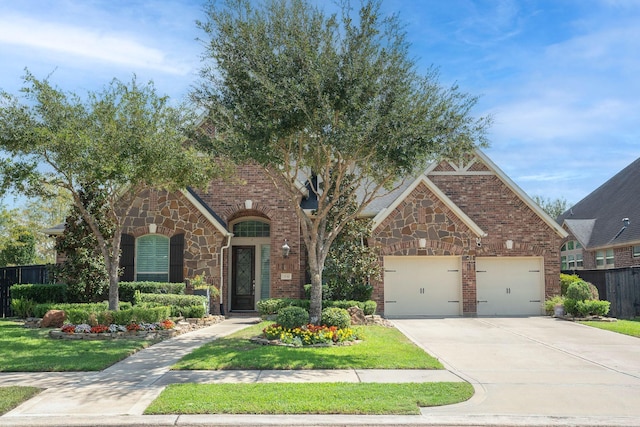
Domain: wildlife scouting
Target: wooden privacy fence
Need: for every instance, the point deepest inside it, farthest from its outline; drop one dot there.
(620, 286)
(10, 276)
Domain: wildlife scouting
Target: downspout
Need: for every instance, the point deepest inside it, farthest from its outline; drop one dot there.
(229, 236)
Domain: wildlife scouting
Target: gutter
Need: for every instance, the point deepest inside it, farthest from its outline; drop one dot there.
(229, 236)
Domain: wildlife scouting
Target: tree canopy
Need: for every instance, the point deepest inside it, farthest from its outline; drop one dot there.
(116, 141)
(330, 101)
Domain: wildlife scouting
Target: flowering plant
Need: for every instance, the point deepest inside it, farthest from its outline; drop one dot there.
(68, 328)
(82, 328)
(308, 334)
(99, 329)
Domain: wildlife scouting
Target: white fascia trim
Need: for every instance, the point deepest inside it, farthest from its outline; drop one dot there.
(523, 196)
(382, 215)
(206, 213)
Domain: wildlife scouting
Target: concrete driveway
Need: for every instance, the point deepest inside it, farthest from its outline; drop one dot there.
(535, 367)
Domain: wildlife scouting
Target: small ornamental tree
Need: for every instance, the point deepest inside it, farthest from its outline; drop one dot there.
(83, 269)
(333, 102)
(120, 141)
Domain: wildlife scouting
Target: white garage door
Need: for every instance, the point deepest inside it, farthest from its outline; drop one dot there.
(422, 286)
(510, 286)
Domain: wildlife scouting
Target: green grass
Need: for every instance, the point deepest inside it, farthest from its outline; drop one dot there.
(10, 397)
(307, 398)
(31, 350)
(382, 348)
(627, 327)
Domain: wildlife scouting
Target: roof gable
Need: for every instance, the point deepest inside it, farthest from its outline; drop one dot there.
(608, 206)
(383, 214)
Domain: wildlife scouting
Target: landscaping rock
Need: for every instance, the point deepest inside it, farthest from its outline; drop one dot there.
(357, 316)
(53, 319)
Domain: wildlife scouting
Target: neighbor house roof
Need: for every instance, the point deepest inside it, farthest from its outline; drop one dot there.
(598, 220)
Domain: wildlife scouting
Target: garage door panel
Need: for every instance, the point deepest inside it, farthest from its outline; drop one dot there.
(422, 286)
(510, 286)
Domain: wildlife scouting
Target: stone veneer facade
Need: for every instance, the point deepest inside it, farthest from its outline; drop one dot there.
(174, 213)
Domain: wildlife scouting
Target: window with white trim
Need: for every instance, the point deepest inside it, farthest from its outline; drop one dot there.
(636, 251)
(571, 256)
(605, 259)
(152, 258)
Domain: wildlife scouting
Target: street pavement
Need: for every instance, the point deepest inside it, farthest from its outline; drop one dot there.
(526, 372)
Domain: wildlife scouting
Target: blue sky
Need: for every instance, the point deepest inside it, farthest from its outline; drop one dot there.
(560, 77)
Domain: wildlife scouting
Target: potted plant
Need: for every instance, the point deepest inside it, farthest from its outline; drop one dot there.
(201, 287)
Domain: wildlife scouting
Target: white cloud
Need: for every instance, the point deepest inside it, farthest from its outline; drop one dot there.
(93, 44)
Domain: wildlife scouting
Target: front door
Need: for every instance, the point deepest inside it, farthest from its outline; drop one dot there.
(243, 285)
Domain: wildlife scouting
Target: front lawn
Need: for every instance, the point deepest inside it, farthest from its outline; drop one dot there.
(31, 350)
(10, 397)
(307, 398)
(627, 327)
(382, 348)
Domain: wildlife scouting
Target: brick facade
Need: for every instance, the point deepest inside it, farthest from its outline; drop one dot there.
(485, 198)
(490, 204)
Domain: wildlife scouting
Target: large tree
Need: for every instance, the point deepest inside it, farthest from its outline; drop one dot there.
(333, 101)
(119, 140)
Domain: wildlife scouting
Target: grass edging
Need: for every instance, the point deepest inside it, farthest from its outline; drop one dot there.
(626, 327)
(12, 396)
(308, 398)
(381, 348)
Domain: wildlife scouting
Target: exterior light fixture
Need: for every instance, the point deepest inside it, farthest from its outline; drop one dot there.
(286, 249)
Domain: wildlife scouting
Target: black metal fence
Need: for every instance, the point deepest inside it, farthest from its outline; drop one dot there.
(9, 276)
(620, 286)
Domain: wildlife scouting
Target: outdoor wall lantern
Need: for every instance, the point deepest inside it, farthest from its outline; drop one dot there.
(422, 243)
(153, 228)
(509, 244)
(286, 249)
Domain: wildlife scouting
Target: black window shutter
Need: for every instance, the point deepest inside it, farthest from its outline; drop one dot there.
(176, 259)
(127, 255)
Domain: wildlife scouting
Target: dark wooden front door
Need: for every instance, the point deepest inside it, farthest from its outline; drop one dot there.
(243, 278)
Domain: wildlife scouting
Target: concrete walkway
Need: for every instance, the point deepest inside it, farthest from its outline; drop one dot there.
(496, 355)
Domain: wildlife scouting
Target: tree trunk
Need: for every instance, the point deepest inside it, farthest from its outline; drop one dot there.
(315, 307)
(113, 286)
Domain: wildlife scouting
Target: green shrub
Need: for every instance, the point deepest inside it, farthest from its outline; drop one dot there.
(271, 306)
(595, 295)
(551, 303)
(571, 306)
(126, 290)
(40, 293)
(292, 317)
(83, 291)
(579, 291)
(193, 311)
(122, 317)
(151, 314)
(334, 316)
(173, 299)
(23, 307)
(342, 290)
(566, 280)
(592, 308)
(370, 307)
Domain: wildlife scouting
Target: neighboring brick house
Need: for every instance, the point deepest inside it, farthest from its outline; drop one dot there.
(604, 227)
(460, 239)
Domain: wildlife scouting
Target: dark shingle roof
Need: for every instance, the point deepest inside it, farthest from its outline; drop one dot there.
(598, 218)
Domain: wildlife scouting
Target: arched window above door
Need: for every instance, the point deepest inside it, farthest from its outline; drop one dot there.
(251, 228)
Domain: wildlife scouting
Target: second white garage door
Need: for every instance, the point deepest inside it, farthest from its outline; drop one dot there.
(510, 286)
(422, 286)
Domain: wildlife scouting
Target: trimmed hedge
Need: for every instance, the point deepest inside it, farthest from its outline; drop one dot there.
(271, 306)
(181, 305)
(334, 316)
(40, 293)
(126, 290)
